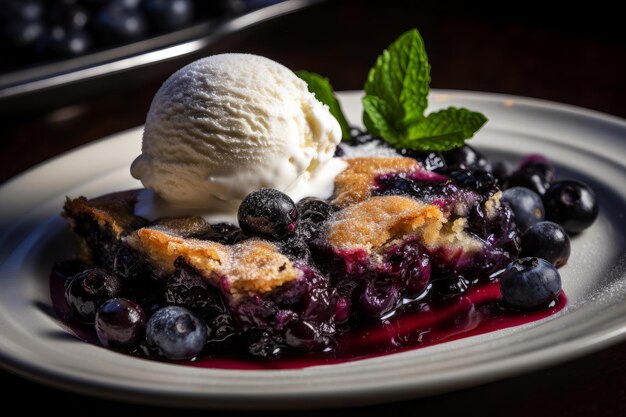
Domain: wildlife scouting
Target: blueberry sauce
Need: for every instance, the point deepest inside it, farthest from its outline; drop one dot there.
(430, 319)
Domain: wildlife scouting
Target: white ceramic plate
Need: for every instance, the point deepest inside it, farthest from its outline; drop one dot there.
(583, 144)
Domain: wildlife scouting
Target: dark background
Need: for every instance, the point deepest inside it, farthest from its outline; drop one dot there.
(570, 54)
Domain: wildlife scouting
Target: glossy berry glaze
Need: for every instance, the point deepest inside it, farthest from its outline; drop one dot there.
(427, 320)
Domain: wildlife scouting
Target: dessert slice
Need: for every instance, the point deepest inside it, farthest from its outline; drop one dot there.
(401, 227)
(268, 298)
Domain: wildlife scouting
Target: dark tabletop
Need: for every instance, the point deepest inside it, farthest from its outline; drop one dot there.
(572, 55)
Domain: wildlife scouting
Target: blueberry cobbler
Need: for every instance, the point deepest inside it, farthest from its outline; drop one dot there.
(280, 247)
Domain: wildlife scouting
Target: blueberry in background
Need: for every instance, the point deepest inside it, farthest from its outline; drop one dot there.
(175, 333)
(72, 16)
(530, 283)
(547, 240)
(118, 23)
(64, 42)
(526, 206)
(22, 10)
(535, 174)
(501, 172)
(166, 15)
(22, 34)
(466, 157)
(572, 204)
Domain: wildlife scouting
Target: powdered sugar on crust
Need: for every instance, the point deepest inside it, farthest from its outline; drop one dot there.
(379, 222)
(354, 184)
(240, 270)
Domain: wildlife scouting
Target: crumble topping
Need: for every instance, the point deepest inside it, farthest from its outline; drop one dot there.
(113, 211)
(378, 222)
(251, 267)
(354, 184)
(493, 205)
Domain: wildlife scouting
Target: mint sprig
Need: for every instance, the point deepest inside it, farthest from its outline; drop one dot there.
(396, 97)
(401, 78)
(320, 86)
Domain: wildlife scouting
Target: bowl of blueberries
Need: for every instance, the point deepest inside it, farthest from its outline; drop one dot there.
(50, 44)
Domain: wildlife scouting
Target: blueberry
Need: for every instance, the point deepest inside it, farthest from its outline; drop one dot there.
(120, 323)
(309, 230)
(221, 331)
(187, 288)
(536, 175)
(313, 213)
(314, 209)
(466, 157)
(572, 204)
(303, 335)
(129, 265)
(451, 286)
(262, 343)
(268, 212)
(21, 10)
(526, 206)
(547, 240)
(422, 190)
(224, 233)
(22, 34)
(501, 172)
(432, 161)
(375, 302)
(176, 333)
(296, 249)
(116, 23)
(529, 283)
(169, 14)
(128, 4)
(70, 17)
(360, 137)
(476, 180)
(63, 42)
(88, 290)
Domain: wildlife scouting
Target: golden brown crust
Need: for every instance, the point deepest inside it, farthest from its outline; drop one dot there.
(114, 211)
(257, 266)
(354, 183)
(251, 267)
(182, 226)
(379, 222)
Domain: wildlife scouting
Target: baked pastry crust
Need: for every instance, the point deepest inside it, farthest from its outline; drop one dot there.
(379, 222)
(241, 270)
(354, 184)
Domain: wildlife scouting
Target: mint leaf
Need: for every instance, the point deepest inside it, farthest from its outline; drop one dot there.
(401, 78)
(375, 116)
(443, 130)
(320, 86)
(396, 98)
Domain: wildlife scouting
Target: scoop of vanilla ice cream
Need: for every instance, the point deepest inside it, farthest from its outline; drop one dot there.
(229, 124)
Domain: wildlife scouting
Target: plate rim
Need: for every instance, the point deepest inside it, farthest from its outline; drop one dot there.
(510, 366)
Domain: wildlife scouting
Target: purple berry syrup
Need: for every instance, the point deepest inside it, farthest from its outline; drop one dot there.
(428, 321)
